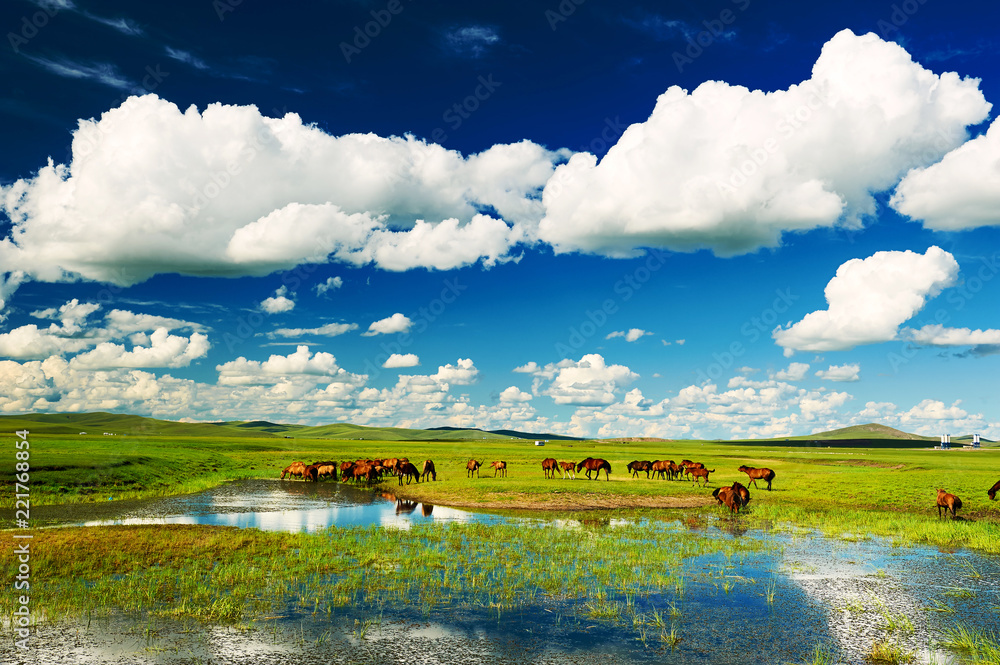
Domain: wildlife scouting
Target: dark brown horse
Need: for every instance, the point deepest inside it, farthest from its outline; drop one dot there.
(992, 492)
(428, 471)
(949, 502)
(549, 467)
(758, 474)
(730, 498)
(661, 467)
(407, 470)
(499, 467)
(311, 473)
(743, 492)
(592, 464)
(472, 467)
(568, 468)
(637, 466)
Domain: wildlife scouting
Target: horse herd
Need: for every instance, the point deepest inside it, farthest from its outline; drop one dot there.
(734, 497)
(368, 471)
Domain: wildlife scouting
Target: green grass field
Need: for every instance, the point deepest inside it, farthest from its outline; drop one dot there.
(881, 490)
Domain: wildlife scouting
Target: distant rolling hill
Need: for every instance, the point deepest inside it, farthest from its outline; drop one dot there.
(71, 424)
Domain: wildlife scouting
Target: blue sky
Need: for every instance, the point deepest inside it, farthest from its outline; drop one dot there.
(730, 219)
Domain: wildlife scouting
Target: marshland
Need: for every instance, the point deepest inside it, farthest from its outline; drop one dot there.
(845, 560)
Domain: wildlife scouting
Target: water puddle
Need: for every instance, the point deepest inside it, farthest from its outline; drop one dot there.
(269, 505)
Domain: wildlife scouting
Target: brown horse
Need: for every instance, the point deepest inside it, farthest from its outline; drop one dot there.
(472, 467)
(949, 502)
(758, 474)
(661, 467)
(499, 467)
(407, 470)
(592, 464)
(568, 468)
(549, 467)
(730, 498)
(326, 470)
(637, 466)
(743, 492)
(293, 469)
(700, 473)
(992, 492)
(311, 473)
(429, 471)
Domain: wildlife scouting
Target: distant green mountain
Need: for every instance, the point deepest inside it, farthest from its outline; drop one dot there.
(869, 431)
(119, 424)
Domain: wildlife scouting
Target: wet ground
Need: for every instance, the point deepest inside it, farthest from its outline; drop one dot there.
(774, 606)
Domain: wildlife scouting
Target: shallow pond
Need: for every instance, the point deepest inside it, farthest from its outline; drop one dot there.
(269, 505)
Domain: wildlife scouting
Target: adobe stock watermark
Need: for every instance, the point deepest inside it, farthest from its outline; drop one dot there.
(84, 144)
(900, 14)
(456, 114)
(364, 34)
(22, 616)
(625, 288)
(422, 318)
(958, 298)
(785, 128)
(715, 29)
(751, 331)
(32, 24)
(561, 13)
(248, 325)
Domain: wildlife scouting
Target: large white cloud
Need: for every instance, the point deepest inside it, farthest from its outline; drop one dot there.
(961, 191)
(163, 350)
(301, 364)
(731, 169)
(869, 299)
(587, 382)
(227, 191)
(841, 373)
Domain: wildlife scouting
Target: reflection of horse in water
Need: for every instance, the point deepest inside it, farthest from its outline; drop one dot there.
(426, 509)
(405, 507)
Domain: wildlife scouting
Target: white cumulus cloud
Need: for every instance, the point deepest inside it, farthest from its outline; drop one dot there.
(278, 303)
(731, 169)
(794, 372)
(225, 190)
(842, 373)
(401, 360)
(632, 335)
(397, 323)
(869, 299)
(962, 191)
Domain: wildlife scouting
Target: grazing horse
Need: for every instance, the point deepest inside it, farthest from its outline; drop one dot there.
(992, 492)
(293, 469)
(568, 468)
(591, 464)
(429, 471)
(637, 466)
(472, 467)
(499, 467)
(407, 470)
(730, 498)
(549, 467)
(700, 473)
(758, 474)
(949, 502)
(743, 492)
(311, 473)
